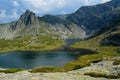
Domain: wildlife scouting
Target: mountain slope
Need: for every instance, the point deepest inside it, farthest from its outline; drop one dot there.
(30, 25)
(6, 32)
(86, 21)
(106, 41)
(106, 44)
(92, 18)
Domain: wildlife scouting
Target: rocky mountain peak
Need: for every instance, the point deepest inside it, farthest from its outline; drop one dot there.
(26, 19)
(27, 11)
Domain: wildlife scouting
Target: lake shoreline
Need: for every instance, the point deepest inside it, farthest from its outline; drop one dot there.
(105, 67)
(67, 44)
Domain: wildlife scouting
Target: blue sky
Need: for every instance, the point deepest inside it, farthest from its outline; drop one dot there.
(11, 10)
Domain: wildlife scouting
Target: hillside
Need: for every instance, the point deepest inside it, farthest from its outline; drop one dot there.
(40, 43)
(93, 18)
(86, 21)
(106, 44)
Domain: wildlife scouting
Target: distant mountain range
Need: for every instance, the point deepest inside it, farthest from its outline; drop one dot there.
(86, 21)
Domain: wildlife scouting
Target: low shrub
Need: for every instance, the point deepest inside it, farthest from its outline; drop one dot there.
(83, 61)
(96, 74)
(14, 70)
(46, 69)
(116, 62)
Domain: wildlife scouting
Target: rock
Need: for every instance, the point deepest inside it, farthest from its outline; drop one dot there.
(112, 39)
(103, 67)
(26, 19)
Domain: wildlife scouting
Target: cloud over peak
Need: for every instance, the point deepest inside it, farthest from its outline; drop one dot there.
(6, 18)
(15, 3)
(44, 5)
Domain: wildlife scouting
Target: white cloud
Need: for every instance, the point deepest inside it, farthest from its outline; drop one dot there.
(64, 12)
(15, 3)
(4, 16)
(102, 1)
(84, 2)
(44, 5)
(14, 14)
(91, 2)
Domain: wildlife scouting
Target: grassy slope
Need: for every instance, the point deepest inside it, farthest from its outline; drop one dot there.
(30, 43)
(47, 43)
(92, 44)
(11, 70)
(107, 52)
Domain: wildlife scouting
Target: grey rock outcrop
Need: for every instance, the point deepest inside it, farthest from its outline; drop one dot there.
(26, 19)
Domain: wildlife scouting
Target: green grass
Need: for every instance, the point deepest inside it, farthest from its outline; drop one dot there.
(93, 44)
(11, 70)
(89, 47)
(47, 69)
(116, 62)
(29, 43)
(83, 61)
(80, 63)
(96, 74)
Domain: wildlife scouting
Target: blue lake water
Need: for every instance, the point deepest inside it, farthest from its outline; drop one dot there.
(32, 59)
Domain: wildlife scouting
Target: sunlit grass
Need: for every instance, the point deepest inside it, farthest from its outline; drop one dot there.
(30, 43)
(14, 70)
